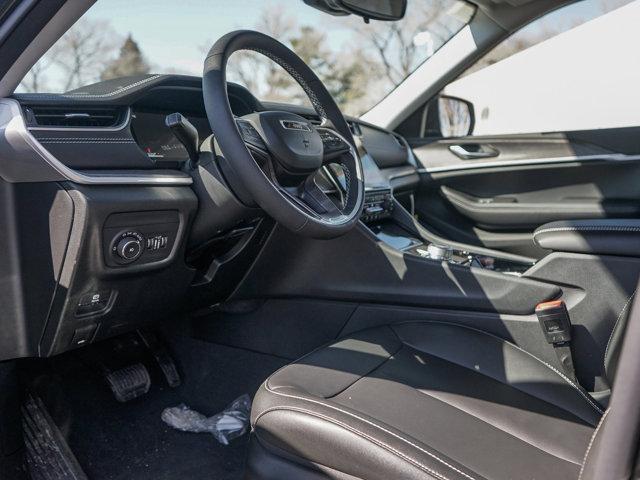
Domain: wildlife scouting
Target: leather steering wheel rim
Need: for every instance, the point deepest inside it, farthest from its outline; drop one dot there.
(234, 148)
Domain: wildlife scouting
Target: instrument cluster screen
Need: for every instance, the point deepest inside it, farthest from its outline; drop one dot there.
(157, 140)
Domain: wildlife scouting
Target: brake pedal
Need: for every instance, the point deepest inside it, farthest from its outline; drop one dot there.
(129, 382)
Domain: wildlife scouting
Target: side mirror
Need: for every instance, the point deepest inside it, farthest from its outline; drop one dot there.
(446, 117)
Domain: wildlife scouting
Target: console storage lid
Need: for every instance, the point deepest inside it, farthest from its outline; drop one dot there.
(601, 237)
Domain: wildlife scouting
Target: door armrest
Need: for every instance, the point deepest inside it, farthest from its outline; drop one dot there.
(600, 237)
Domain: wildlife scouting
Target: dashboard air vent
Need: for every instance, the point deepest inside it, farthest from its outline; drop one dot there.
(75, 117)
(353, 126)
(355, 129)
(399, 141)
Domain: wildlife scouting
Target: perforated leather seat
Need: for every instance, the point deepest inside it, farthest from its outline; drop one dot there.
(420, 400)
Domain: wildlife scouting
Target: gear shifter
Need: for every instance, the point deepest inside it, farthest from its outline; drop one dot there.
(186, 134)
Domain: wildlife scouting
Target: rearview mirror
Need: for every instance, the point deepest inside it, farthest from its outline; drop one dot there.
(388, 10)
(376, 9)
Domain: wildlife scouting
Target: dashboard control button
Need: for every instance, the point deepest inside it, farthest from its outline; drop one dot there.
(129, 248)
(93, 303)
(83, 335)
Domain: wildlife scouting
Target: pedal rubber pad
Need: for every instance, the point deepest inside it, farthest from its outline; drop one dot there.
(129, 382)
(48, 455)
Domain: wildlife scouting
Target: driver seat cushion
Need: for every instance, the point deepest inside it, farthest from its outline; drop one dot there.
(420, 400)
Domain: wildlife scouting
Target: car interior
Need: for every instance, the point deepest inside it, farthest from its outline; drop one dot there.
(321, 295)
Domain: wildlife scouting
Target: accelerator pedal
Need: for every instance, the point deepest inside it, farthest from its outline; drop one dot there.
(129, 382)
(48, 456)
(162, 357)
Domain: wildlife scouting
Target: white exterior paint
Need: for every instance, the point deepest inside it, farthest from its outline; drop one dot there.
(586, 78)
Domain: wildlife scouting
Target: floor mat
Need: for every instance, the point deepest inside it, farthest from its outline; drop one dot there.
(114, 441)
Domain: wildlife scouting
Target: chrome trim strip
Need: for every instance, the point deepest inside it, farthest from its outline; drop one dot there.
(465, 154)
(609, 157)
(16, 127)
(403, 174)
(116, 128)
(299, 126)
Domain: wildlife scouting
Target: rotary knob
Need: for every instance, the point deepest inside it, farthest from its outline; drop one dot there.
(129, 248)
(439, 252)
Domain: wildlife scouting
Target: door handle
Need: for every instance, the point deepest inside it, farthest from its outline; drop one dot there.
(477, 151)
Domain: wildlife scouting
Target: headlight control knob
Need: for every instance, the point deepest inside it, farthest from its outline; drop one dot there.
(129, 246)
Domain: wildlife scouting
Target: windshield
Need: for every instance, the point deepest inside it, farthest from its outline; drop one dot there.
(359, 63)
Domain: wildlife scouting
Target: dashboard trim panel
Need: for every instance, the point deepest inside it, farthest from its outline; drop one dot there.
(13, 125)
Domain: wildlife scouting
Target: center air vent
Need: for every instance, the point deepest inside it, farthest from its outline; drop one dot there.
(356, 131)
(399, 141)
(353, 126)
(76, 117)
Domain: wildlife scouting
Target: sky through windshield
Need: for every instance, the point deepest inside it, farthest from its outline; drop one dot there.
(359, 63)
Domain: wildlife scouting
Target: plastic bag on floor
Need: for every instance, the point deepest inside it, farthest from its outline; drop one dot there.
(225, 426)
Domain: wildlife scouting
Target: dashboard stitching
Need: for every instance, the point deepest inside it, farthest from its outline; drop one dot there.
(88, 142)
(99, 95)
(82, 138)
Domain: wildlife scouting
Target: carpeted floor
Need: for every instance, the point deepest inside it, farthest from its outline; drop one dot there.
(119, 441)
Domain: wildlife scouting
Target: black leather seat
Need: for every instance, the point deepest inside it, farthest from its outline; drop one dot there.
(420, 400)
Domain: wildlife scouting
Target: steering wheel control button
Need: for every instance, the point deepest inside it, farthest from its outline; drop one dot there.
(250, 135)
(128, 247)
(333, 145)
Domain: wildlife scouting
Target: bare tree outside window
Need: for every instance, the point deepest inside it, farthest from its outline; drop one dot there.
(399, 47)
(79, 57)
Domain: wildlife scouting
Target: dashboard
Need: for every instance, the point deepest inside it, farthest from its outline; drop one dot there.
(99, 129)
(118, 217)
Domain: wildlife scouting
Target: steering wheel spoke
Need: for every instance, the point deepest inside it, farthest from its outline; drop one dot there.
(334, 145)
(313, 196)
(251, 137)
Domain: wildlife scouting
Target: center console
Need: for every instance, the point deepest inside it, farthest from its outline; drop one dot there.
(378, 205)
(393, 225)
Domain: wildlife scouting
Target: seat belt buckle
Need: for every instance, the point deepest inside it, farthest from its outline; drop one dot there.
(554, 321)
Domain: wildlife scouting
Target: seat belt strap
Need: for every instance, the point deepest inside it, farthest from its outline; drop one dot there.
(556, 327)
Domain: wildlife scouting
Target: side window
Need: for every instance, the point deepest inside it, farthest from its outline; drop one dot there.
(572, 69)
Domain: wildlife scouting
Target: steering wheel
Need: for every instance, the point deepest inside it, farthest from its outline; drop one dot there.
(277, 154)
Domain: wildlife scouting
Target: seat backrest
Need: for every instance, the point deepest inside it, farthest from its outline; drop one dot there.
(612, 452)
(614, 345)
